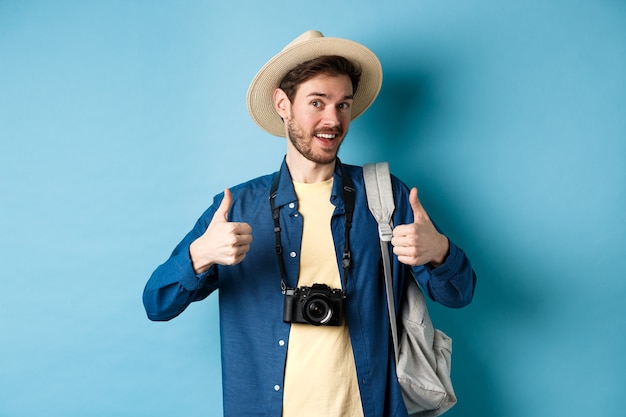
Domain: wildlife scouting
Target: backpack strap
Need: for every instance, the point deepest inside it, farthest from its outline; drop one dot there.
(380, 202)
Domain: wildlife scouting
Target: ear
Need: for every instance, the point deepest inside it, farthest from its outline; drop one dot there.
(282, 103)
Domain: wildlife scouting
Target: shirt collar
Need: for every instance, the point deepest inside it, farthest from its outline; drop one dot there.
(286, 193)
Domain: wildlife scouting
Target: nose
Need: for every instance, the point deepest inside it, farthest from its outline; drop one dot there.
(331, 117)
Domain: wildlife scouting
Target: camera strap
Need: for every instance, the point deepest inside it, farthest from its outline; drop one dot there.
(348, 201)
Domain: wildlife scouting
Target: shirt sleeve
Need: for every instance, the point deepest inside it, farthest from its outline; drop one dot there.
(452, 283)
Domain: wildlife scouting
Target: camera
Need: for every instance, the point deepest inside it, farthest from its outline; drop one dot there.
(317, 305)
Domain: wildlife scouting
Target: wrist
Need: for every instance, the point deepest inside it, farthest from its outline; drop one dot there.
(199, 266)
(442, 253)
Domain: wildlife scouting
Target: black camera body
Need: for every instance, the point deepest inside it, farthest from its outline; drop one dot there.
(317, 305)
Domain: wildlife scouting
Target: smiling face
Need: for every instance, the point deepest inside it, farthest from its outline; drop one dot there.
(318, 119)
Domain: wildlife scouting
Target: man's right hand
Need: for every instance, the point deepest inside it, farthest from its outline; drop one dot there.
(223, 242)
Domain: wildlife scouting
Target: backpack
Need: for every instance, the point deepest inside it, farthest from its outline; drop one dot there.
(422, 353)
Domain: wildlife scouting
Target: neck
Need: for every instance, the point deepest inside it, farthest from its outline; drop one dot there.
(308, 172)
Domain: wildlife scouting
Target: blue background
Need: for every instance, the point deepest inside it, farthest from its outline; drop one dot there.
(119, 120)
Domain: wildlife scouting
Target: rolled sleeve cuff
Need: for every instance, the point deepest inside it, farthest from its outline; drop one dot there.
(189, 280)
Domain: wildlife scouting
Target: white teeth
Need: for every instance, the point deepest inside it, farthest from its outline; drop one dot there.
(326, 136)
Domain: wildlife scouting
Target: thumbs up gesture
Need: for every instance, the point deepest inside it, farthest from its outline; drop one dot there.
(223, 242)
(419, 243)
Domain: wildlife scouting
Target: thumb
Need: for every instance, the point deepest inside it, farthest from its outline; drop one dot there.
(416, 205)
(222, 210)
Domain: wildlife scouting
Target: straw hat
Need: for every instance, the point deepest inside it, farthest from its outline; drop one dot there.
(305, 47)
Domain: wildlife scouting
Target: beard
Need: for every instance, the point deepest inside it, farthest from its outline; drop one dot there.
(304, 143)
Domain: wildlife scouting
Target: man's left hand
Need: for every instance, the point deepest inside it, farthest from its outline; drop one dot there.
(419, 243)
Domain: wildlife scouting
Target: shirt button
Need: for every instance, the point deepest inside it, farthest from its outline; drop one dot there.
(291, 205)
(281, 343)
(292, 254)
(276, 387)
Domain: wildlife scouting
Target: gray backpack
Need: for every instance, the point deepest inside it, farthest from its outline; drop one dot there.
(423, 353)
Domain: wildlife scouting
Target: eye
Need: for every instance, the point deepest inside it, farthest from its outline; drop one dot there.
(344, 106)
(316, 103)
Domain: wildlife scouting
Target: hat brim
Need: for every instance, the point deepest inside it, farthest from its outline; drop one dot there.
(261, 91)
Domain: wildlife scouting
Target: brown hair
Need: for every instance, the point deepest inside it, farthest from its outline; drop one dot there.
(326, 65)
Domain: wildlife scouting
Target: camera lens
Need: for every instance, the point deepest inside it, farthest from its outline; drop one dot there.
(317, 311)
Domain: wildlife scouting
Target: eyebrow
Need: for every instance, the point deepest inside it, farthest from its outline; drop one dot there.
(315, 94)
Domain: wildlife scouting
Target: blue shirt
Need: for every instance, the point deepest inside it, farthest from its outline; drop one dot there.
(254, 338)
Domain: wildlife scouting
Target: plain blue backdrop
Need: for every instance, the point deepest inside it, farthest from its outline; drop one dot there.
(119, 120)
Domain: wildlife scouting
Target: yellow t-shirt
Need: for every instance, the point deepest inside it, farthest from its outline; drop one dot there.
(320, 375)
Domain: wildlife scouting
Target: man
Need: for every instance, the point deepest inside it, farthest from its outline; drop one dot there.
(304, 325)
